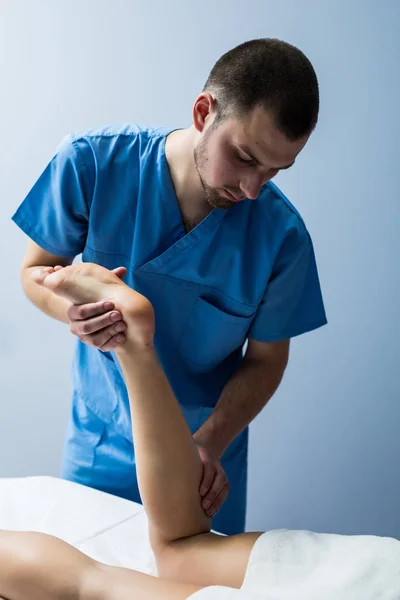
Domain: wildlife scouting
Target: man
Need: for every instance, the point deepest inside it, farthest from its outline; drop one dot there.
(190, 219)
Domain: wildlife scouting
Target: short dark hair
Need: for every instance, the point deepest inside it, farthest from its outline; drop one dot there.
(269, 73)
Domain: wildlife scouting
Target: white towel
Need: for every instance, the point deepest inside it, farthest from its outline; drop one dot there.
(301, 565)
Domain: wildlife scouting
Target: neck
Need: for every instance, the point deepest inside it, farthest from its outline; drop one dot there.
(188, 189)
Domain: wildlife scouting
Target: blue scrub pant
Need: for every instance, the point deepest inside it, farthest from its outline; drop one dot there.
(98, 456)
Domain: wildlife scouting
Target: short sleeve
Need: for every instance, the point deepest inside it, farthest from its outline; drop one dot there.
(55, 212)
(292, 302)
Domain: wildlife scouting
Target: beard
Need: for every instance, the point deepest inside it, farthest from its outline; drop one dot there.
(211, 194)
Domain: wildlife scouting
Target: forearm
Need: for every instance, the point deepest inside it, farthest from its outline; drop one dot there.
(243, 397)
(44, 299)
(169, 468)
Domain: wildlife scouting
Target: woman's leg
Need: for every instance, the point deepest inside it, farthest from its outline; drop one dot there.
(35, 566)
(168, 464)
(169, 472)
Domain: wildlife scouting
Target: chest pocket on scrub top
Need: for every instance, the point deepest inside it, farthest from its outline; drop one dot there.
(211, 335)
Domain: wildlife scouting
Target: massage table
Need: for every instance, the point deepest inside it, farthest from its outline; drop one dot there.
(285, 565)
(109, 529)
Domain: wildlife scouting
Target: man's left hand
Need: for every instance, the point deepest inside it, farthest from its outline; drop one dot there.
(214, 487)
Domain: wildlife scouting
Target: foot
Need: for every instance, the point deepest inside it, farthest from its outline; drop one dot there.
(87, 282)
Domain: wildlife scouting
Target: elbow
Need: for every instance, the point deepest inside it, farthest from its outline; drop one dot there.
(173, 556)
(24, 273)
(27, 283)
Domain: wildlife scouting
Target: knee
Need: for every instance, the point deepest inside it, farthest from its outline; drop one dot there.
(168, 563)
(160, 550)
(165, 558)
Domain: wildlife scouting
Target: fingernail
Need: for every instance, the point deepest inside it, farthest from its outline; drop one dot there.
(108, 306)
(119, 327)
(119, 338)
(114, 316)
(206, 504)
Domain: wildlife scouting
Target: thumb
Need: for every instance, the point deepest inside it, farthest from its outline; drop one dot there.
(120, 272)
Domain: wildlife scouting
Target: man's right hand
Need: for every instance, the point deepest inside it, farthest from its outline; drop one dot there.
(97, 324)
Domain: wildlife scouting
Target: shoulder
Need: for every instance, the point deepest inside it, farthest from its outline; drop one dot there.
(275, 221)
(110, 136)
(272, 204)
(287, 208)
(123, 131)
(116, 144)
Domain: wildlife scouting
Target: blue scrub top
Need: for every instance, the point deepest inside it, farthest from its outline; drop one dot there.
(248, 271)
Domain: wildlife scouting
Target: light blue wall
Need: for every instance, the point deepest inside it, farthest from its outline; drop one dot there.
(325, 453)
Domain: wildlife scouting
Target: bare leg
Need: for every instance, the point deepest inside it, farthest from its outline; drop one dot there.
(27, 570)
(34, 566)
(168, 464)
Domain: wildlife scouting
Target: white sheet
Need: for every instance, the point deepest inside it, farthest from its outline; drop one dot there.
(284, 565)
(109, 529)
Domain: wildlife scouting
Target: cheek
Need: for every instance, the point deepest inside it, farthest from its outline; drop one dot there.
(221, 172)
(216, 175)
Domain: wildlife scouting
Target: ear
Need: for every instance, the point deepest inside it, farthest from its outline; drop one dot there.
(204, 108)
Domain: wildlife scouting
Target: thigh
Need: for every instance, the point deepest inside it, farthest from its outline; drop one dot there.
(97, 455)
(232, 516)
(126, 584)
(34, 566)
(208, 559)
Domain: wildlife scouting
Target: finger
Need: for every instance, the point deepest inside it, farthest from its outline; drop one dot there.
(97, 324)
(100, 338)
(58, 267)
(39, 275)
(219, 501)
(113, 343)
(208, 478)
(81, 312)
(120, 272)
(218, 483)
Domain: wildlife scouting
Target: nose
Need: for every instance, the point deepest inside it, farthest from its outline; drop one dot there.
(251, 186)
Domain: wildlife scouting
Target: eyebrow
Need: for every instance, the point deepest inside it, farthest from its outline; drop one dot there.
(248, 151)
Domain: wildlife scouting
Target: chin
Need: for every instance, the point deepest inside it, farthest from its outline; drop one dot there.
(214, 197)
(220, 203)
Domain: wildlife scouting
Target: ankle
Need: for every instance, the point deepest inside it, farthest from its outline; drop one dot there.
(140, 329)
(142, 346)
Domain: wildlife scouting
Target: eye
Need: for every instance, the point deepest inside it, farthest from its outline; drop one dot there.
(248, 161)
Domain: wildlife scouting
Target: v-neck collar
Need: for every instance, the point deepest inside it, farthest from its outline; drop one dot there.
(208, 224)
(167, 179)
